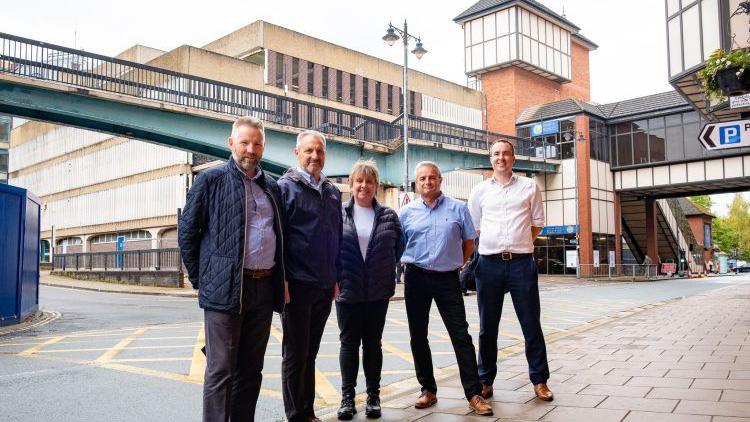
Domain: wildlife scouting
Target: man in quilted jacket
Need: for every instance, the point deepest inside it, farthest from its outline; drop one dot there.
(312, 243)
(231, 242)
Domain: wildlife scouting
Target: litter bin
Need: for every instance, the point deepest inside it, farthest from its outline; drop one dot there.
(19, 254)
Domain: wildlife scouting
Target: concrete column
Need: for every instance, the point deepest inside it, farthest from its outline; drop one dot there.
(384, 97)
(317, 80)
(303, 77)
(85, 242)
(156, 236)
(271, 68)
(396, 100)
(288, 72)
(345, 88)
(583, 168)
(332, 93)
(359, 91)
(371, 94)
(652, 241)
(618, 228)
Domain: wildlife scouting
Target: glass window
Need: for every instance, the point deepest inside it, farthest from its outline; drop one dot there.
(366, 92)
(295, 74)
(279, 76)
(674, 120)
(675, 47)
(613, 150)
(377, 95)
(640, 125)
(310, 77)
(689, 117)
(656, 145)
(624, 150)
(490, 53)
(656, 123)
(691, 33)
(489, 27)
(477, 57)
(325, 81)
(566, 149)
(693, 147)
(711, 29)
(503, 26)
(640, 147)
(352, 79)
(707, 235)
(674, 143)
(476, 31)
(390, 99)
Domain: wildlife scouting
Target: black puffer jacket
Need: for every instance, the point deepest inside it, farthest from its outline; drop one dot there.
(211, 236)
(373, 278)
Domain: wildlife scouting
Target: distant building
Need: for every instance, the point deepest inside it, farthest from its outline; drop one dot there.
(701, 223)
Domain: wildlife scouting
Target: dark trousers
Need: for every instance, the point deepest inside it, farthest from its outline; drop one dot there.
(518, 276)
(420, 289)
(361, 323)
(235, 346)
(303, 321)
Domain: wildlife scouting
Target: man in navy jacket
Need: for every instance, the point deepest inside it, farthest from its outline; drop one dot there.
(312, 243)
(231, 242)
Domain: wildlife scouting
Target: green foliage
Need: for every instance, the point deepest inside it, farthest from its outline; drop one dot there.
(732, 233)
(720, 60)
(703, 200)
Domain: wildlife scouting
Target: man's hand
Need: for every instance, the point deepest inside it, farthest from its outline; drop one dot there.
(287, 298)
(335, 291)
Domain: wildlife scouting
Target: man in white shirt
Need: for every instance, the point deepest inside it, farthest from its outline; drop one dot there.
(507, 210)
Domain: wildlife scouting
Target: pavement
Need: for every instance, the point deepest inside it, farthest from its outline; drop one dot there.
(684, 360)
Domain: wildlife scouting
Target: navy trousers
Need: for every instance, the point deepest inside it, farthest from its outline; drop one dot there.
(519, 277)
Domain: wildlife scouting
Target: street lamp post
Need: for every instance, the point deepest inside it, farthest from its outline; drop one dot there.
(391, 36)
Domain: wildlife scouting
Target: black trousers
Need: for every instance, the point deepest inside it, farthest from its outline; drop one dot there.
(303, 321)
(361, 323)
(519, 276)
(235, 346)
(420, 289)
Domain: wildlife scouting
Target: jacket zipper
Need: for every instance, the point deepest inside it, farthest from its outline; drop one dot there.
(244, 246)
(277, 217)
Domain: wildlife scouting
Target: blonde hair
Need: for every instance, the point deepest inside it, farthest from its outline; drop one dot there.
(249, 121)
(365, 168)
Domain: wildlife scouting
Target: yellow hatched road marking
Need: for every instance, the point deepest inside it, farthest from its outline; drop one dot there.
(433, 332)
(154, 359)
(198, 363)
(99, 349)
(387, 346)
(119, 347)
(35, 349)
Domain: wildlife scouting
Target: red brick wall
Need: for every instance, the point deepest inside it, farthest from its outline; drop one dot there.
(580, 85)
(583, 149)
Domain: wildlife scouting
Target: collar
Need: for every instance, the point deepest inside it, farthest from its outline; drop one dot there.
(438, 201)
(308, 177)
(513, 179)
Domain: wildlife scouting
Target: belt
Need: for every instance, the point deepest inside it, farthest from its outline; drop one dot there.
(257, 273)
(509, 256)
(418, 268)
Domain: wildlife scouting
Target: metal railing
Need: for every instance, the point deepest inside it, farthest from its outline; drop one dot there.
(621, 271)
(137, 260)
(30, 58)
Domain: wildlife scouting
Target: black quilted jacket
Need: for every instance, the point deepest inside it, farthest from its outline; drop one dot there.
(312, 224)
(211, 236)
(373, 278)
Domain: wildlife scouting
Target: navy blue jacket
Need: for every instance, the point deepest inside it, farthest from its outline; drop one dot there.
(372, 278)
(211, 235)
(312, 230)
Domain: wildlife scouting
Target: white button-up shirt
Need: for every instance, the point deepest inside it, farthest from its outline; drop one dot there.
(505, 214)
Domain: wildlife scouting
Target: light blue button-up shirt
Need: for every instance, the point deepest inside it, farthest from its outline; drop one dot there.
(309, 179)
(434, 236)
(260, 237)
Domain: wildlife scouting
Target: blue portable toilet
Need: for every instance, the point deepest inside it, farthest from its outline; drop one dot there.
(19, 254)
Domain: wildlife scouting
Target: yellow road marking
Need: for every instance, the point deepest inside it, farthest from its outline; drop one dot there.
(99, 349)
(151, 360)
(198, 363)
(387, 346)
(114, 351)
(276, 334)
(324, 387)
(433, 332)
(35, 349)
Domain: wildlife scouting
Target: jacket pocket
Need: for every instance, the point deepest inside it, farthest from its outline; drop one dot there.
(220, 281)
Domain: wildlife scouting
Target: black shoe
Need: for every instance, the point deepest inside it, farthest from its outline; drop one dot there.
(347, 410)
(372, 410)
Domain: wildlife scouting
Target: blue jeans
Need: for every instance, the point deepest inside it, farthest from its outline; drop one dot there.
(519, 277)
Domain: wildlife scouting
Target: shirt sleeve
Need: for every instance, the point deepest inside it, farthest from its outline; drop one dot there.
(537, 208)
(474, 204)
(468, 232)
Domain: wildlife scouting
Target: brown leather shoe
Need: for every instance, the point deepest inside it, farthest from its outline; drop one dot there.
(543, 392)
(487, 391)
(425, 400)
(480, 406)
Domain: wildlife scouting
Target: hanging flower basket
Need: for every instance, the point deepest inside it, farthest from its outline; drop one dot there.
(726, 74)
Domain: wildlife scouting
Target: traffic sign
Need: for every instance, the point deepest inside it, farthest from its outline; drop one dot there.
(724, 135)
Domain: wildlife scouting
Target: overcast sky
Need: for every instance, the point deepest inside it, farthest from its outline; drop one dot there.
(631, 60)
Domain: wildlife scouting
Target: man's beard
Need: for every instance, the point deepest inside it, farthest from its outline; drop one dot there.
(246, 163)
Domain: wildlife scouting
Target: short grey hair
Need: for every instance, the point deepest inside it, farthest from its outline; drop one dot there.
(428, 164)
(313, 133)
(249, 121)
(504, 141)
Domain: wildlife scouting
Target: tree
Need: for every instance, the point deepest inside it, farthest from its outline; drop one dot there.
(702, 200)
(732, 233)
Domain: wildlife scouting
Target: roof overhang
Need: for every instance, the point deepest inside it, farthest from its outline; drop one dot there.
(689, 85)
(532, 7)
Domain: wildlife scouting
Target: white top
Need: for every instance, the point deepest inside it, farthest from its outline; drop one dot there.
(364, 218)
(504, 214)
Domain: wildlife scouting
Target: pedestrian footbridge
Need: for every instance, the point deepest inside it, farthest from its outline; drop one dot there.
(90, 91)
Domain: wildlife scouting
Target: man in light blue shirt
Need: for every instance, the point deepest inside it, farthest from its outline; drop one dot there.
(439, 237)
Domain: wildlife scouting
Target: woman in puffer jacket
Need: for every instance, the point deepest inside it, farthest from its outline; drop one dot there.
(372, 245)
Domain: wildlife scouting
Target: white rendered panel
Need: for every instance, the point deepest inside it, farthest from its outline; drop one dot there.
(714, 169)
(711, 27)
(696, 172)
(629, 179)
(678, 173)
(554, 216)
(58, 141)
(569, 193)
(645, 179)
(571, 218)
(569, 173)
(611, 218)
(661, 175)
(733, 167)
(595, 224)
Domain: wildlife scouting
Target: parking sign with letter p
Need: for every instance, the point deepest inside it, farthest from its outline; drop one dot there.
(729, 135)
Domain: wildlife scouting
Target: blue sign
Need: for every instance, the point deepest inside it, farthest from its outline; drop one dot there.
(559, 230)
(729, 135)
(120, 248)
(545, 128)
